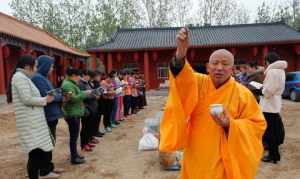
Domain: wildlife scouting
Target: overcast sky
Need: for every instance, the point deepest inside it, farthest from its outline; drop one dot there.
(249, 4)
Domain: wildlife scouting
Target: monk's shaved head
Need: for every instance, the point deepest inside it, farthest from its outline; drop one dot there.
(222, 54)
(220, 66)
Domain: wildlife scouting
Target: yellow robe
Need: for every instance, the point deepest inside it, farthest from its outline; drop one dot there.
(208, 152)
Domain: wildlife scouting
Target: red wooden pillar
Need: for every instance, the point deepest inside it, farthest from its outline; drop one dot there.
(93, 61)
(102, 59)
(119, 59)
(2, 80)
(264, 54)
(33, 54)
(109, 63)
(297, 50)
(55, 78)
(254, 52)
(146, 70)
(64, 61)
(153, 76)
(77, 63)
(51, 76)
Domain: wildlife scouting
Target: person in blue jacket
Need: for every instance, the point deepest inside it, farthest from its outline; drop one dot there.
(53, 110)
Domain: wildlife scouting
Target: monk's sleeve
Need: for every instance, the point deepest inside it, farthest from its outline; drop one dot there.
(182, 99)
(245, 147)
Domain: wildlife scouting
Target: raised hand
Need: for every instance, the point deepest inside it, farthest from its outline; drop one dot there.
(182, 42)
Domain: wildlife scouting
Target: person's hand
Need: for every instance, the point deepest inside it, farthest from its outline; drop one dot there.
(182, 42)
(67, 96)
(88, 92)
(222, 119)
(50, 98)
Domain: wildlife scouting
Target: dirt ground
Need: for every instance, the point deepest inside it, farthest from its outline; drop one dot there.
(117, 157)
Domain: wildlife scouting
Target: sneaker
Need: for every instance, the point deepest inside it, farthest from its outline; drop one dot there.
(50, 175)
(113, 126)
(108, 130)
(77, 161)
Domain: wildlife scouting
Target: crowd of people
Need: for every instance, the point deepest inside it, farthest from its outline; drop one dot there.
(225, 145)
(83, 100)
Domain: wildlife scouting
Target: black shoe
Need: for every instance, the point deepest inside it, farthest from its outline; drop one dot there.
(99, 135)
(81, 157)
(268, 159)
(77, 161)
(117, 123)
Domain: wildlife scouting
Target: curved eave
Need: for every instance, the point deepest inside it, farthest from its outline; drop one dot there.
(72, 52)
(288, 42)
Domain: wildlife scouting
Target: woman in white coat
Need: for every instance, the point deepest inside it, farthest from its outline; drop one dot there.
(271, 103)
(31, 123)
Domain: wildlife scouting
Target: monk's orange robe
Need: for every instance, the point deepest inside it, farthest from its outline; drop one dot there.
(210, 153)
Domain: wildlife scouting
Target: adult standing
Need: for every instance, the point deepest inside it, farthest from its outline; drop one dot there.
(271, 104)
(222, 143)
(73, 109)
(31, 123)
(52, 110)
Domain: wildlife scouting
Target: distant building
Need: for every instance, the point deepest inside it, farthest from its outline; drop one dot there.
(18, 38)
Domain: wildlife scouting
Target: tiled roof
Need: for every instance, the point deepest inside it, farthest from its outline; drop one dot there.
(206, 36)
(11, 26)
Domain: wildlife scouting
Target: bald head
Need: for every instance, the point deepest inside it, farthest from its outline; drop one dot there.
(223, 54)
(220, 66)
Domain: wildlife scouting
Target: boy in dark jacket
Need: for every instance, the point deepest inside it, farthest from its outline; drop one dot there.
(52, 111)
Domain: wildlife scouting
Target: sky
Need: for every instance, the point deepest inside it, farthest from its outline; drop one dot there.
(249, 4)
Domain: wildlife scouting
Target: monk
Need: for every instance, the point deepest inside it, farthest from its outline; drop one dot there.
(227, 146)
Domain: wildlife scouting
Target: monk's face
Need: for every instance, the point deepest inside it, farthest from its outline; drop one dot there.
(220, 66)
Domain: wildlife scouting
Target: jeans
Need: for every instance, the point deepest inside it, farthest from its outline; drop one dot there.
(114, 110)
(74, 128)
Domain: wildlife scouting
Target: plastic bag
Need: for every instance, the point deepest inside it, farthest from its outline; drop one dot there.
(148, 142)
(153, 124)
